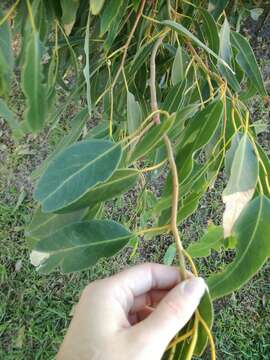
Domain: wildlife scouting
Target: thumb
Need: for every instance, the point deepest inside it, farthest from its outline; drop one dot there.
(173, 312)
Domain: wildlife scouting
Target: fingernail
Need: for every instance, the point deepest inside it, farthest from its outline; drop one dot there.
(194, 287)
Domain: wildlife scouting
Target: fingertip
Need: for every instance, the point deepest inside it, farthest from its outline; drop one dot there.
(193, 287)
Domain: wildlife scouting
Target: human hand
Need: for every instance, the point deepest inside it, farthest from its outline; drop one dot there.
(131, 315)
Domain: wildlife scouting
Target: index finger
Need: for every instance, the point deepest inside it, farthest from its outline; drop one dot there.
(140, 279)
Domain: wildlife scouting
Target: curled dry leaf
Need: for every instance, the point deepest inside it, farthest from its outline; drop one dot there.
(234, 204)
(37, 257)
(242, 182)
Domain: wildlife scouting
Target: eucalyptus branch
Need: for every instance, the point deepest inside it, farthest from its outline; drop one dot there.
(167, 142)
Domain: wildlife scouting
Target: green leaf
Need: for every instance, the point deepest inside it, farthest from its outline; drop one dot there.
(198, 133)
(96, 6)
(246, 59)
(76, 128)
(86, 70)
(94, 212)
(210, 30)
(175, 97)
(43, 225)
(180, 118)
(265, 178)
(169, 255)
(216, 7)
(11, 119)
(212, 239)
(76, 170)
(152, 139)
(225, 53)
(251, 230)
(178, 67)
(121, 181)
(110, 11)
(206, 311)
(69, 11)
(100, 131)
(182, 30)
(6, 58)
(231, 152)
(186, 207)
(134, 113)
(244, 169)
(32, 85)
(115, 25)
(79, 245)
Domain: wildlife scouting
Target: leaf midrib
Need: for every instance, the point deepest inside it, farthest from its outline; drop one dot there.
(78, 171)
(96, 243)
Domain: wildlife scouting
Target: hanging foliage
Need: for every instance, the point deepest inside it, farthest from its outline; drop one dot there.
(171, 81)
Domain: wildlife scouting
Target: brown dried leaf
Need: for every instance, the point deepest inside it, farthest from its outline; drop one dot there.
(234, 204)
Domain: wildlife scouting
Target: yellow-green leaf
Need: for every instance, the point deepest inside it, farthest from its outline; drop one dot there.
(96, 6)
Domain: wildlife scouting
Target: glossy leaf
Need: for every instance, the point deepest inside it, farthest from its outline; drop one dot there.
(178, 67)
(211, 30)
(43, 225)
(100, 131)
(76, 170)
(32, 85)
(244, 169)
(225, 53)
(151, 140)
(134, 113)
(183, 31)
(186, 207)
(246, 59)
(251, 231)
(94, 212)
(109, 13)
(264, 170)
(6, 58)
(169, 255)
(96, 6)
(86, 70)
(121, 181)
(207, 313)
(231, 152)
(69, 10)
(212, 239)
(79, 245)
(197, 134)
(180, 118)
(216, 7)
(76, 128)
(174, 99)
(11, 119)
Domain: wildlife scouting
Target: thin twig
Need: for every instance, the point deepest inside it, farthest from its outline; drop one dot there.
(167, 142)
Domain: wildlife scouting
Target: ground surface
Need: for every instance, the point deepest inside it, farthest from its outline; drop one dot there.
(35, 310)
